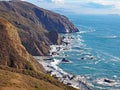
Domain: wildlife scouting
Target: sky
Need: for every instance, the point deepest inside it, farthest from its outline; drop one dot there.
(80, 6)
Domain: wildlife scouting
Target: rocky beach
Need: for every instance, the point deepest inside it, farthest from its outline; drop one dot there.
(51, 65)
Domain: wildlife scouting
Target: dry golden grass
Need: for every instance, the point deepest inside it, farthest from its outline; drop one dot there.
(16, 78)
(16, 81)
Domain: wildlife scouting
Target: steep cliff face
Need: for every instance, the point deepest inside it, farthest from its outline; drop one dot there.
(18, 69)
(36, 26)
(53, 21)
(12, 52)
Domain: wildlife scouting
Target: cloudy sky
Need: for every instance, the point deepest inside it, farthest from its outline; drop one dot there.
(81, 6)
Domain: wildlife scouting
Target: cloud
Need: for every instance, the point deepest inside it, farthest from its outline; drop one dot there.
(13, 0)
(114, 3)
(81, 6)
(52, 1)
(58, 1)
(96, 5)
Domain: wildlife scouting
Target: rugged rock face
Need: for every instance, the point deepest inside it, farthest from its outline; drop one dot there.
(54, 21)
(18, 69)
(37, 27)
(12, 52)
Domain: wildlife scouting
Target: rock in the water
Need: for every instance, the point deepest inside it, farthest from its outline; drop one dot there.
(108, 81)
(65, 61)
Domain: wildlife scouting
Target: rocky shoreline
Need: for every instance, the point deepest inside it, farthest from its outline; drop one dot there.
(51, 66)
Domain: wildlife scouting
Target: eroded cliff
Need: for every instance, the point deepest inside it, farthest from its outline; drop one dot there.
(37, 27)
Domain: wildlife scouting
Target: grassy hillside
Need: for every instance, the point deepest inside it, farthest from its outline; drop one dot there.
(18, 69)
(16, 81)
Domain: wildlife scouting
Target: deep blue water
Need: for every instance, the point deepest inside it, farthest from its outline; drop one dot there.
(95, 50)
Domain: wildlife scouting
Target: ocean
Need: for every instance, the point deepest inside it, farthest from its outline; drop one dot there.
(95, 51)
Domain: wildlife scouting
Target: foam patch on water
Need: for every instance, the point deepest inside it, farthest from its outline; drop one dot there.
(90, 60)
(73, 80)
(108, 82)
(111, 37)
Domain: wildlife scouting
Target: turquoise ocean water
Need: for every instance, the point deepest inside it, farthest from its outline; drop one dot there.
(95, 50)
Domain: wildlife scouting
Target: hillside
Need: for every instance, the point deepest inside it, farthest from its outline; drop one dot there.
(14, 81)
(37, 27)
(12, 52)
(18, 69)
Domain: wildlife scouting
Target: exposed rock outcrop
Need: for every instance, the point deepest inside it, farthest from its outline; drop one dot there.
(18, 69)
(36, 26)
(54, 21)
(12, 52)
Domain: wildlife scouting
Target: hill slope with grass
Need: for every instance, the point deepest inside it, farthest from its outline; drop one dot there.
(18, 69)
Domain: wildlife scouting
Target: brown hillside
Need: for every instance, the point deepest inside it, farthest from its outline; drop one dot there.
(12, 52)
(17, 81)
(14, 58)
(37, 27)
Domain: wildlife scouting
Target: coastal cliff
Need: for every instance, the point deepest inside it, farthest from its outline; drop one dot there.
(18, 69)
(38, 28)
(12, 52)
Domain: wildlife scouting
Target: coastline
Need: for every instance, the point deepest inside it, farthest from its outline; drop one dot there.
(51, 67)
(94, 60)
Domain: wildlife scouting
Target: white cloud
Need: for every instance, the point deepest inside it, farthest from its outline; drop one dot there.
(13, 0)
(58, 1)
(81, 6)
(115, 3)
